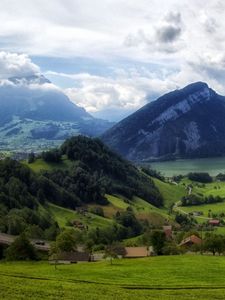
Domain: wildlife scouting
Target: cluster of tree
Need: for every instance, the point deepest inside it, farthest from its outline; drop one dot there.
(153, 173)
(185, 220)
(200, 177)
(220, 177)
(194, 199)
(52, 156)
(21, 193)
(128, 220)
(96, 170)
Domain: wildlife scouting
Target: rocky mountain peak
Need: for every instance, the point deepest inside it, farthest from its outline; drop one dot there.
(188, 122)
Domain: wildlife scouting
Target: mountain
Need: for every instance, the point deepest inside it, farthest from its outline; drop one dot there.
(36, 114)
(189, 122)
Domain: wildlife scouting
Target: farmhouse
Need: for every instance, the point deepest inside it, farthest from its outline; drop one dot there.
(214, 222)
(190, 241)
(137, 252)
(70, 257)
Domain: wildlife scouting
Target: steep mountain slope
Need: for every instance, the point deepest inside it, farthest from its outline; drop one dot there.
(34, 109)
(184, 123)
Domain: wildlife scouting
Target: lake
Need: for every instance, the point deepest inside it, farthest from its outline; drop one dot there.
(213, 166)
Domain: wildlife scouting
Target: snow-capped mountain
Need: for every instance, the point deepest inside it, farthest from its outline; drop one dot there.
(189, 122)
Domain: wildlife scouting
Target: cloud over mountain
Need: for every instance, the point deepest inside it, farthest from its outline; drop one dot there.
(16, 65)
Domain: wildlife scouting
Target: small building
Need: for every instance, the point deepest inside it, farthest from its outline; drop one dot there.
(168, 231)
(70, 257)
(137, 252)
(197, 213)
(214, 222)
(190, 241)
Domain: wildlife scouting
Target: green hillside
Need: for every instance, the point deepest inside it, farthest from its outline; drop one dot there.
(171, 192)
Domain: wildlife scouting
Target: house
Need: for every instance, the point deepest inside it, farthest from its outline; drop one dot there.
(70, 257)
(190, 241)
(97, 256)
(137, 252)
(168, 231)
(214, 222)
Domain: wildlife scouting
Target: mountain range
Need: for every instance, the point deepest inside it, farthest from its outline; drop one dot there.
(188, 122)
(36, 115)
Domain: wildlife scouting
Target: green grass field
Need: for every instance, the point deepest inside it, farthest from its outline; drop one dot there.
(166, 278)
(63, 215)
(171, 193)
(40, 165)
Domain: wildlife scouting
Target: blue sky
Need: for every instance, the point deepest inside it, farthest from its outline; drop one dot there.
(113, 56)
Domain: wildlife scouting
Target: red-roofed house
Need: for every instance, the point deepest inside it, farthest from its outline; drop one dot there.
(190, 241)
(214, 222)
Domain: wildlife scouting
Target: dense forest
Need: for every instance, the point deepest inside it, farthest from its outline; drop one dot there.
(21, 202)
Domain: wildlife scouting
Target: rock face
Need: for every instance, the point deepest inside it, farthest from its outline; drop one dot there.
(184, 123)
(34, 114)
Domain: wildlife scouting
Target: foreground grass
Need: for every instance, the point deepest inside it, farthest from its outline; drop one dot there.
(177, 277)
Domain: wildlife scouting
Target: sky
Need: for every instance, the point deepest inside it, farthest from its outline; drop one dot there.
(113, 56)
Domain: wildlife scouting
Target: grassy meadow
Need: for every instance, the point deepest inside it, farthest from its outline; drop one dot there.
(168, 277)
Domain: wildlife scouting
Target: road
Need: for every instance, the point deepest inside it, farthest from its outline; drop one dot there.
(7, 239)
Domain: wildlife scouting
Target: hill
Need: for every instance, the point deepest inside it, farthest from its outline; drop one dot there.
(184, 123)
(36, 115)
(81, 184)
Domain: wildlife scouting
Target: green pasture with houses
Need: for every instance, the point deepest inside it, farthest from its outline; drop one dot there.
(165, 278)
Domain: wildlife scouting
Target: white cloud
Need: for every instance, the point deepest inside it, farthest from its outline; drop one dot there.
(13, 64)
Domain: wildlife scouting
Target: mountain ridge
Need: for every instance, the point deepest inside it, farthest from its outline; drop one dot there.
(184, 123)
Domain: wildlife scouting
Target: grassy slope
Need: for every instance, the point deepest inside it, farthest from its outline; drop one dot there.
(171, 193)
(173, 277)
(141, 208)
(41, 165)
(63, 215)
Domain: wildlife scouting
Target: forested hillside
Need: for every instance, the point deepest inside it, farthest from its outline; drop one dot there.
(91, 172)
(95, 171)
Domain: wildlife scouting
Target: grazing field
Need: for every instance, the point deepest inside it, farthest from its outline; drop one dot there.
(183, 166)
(171, 193)
(166, 278)
(215, 208)
(64, 215)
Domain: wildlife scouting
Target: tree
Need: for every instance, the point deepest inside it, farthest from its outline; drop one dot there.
(31, 158)
(158, 239)
(113, 251)
(21, 249)
(66, 240)
(214, 243)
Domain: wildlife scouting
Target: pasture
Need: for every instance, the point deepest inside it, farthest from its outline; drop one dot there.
(166, 278)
